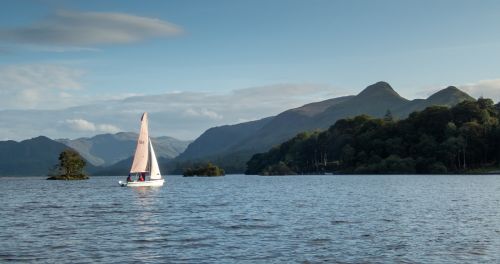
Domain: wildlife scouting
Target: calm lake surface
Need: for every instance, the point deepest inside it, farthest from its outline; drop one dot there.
(252, 219)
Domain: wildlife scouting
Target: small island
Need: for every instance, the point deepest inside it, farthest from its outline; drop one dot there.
(70, 167)
(206, 170)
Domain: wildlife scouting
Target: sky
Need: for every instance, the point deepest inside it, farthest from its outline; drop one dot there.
(79, 68)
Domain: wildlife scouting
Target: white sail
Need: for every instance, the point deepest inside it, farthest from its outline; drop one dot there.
(144, 160)
(140, 163)
(155, 169)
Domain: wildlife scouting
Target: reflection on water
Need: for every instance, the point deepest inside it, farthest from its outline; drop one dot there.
(147, 199)
(233, 219)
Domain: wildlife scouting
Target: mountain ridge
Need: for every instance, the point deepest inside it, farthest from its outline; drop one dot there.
(230, 146)
(33, 157)
(108, 149)
(375, 100)
(37, 156)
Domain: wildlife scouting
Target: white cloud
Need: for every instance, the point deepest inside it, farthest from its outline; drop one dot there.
(202, 113)
(82, 125)
(38, 86)
(83, 29)
(108, 128)
(484, 88)
(184, 115)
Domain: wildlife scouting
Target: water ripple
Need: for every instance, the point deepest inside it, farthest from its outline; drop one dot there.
(250, 219)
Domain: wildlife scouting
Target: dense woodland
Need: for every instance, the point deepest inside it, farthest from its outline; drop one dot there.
(438, 139)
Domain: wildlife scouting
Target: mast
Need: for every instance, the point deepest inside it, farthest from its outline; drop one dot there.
(140, 163)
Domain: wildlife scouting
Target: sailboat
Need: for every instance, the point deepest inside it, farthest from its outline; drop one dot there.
(144, 164)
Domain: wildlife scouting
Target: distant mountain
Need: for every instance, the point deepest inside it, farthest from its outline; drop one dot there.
(105, 154)
(32, 157)
(229, 146)
(218, 140)
(449, 96)
(375, 100)
(121, 168)
(227, 142)
(108, 149)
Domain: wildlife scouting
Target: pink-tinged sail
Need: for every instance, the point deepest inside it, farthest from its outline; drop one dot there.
(140, 163)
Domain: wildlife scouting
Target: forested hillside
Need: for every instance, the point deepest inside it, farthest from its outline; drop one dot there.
(438, 139)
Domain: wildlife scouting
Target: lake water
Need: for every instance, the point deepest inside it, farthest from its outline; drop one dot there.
(252, 219)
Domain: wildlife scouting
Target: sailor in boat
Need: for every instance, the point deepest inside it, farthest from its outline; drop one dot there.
(141, 177)
(129, 178)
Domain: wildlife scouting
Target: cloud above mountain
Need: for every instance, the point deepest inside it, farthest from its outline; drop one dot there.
(83, 29)
(483, 88)
(183, 115)
(83, 125)
(203, 113)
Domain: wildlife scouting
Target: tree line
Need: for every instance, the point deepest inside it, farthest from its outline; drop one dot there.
(436, 140)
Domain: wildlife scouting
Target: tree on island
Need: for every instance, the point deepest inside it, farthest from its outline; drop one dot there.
(70, 167)
(207, 169)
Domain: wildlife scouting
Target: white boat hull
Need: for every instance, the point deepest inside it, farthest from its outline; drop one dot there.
(151, 183)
